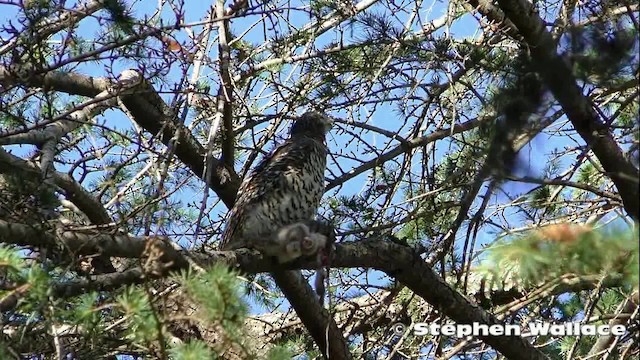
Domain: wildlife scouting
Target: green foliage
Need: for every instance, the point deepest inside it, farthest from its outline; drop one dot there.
(386, 66)
(119, 15)
(567, 342)
(218, 294)
(11, 262)
(603, 51)
(554, 251)
(39, 281)
(205, 86)
(609, 301)
(192, 350)
(279, 353)
(27, 201)
(364, 60)
(119, 139)
(256, 292)
(32, 279)
(321, 8)
(353, 212)
(560, 250)
(629, 116)
(588, 174)
(85, 309)
(9, 121)
(571, 308)
(540, 198)
(459, 167)
(142, 324)
(436, 210)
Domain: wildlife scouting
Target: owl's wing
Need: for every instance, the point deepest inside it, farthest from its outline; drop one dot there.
(268, 176)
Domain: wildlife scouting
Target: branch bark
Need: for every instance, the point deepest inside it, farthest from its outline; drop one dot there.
(559, 78)
(398, 261)
(151, 113)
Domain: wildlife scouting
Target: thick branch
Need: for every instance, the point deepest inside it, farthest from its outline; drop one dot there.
(152, 113)
(559, 77)
(317, 320)
(83, 242)
(628, 306)
(87, 203)
(225, 93)
(409, 268)
(398, 261)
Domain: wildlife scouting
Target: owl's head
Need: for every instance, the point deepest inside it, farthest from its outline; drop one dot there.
(313, 124)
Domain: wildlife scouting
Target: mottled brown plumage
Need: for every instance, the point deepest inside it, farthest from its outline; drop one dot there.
(285, 188)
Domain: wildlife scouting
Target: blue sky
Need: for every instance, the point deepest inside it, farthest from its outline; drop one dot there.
(384, 116)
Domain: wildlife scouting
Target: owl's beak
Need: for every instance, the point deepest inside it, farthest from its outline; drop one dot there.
(329, 123)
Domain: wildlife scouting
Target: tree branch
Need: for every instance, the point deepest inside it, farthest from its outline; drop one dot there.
(149, 111)
(400, 262)
(559, 78)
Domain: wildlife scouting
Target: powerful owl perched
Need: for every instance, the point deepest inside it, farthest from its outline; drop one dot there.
(282, 193)
(284, 189)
